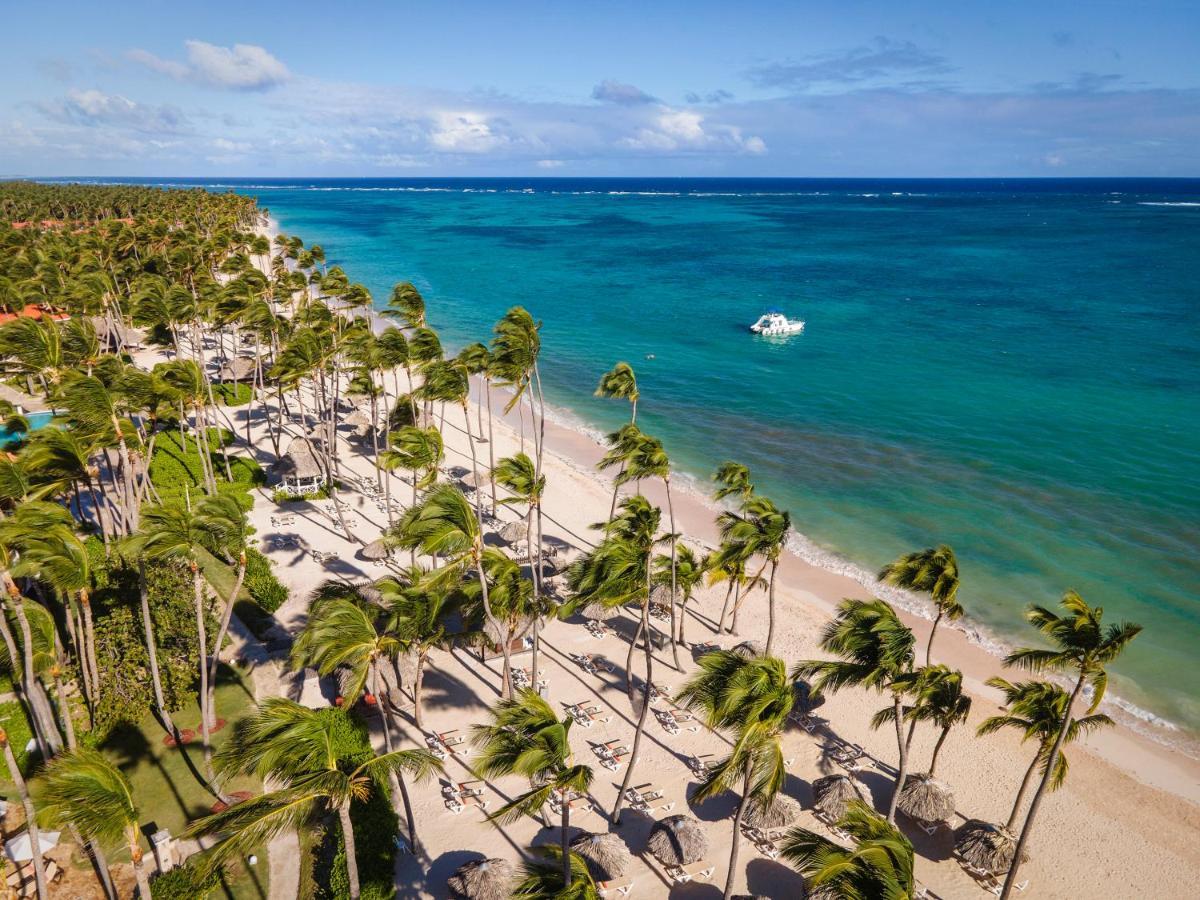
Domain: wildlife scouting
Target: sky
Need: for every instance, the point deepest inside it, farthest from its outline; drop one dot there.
(414, 89)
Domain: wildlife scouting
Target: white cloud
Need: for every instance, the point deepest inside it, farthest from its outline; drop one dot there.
(610, 91)
(550, 163)
(93, 108)
(242, 67)
(464, 132)
(685, 130)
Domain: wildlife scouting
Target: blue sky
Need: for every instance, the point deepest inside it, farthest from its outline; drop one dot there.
(565, 88)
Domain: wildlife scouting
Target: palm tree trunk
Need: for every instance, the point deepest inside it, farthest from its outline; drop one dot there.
(937, 748)
(737, 606)
(932, 632)
(215, 660)
(671, 517)
(89, 644)
(1021, 791)
(771, 607)
(566, 845)
(45, 730)
(164, 714)
(35, 845)
(418, 680)
(100, 864)
(1047, 776)
(641, 724)
(737, 831)
(202, 641)
(395, 777)
(725, 607)
(487, 387)
(139, 866)
(902, 769)
(64, 711)
(640, 632)
(351, 858)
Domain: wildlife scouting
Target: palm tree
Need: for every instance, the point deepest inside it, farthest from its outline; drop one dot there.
(225, 524)
(876, 650)
(417, 450)
(526, 738)
(511, 597)
(615, 573)
(620, 383)
(880, 865)
(406, 304)
(81, 788)
(733, 480)
(938, 697)
(543, 880)
(18, 780)
(762, 529)
(443, 525)
(297, 748)
(347, 632)
(752, 697)
(933, 571)
(1084, 646)
(519, 475)
(689, 574)
(1036, 709)
(419, 613)
(622, 444)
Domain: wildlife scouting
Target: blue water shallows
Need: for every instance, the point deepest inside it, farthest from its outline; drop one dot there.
(1011, 367)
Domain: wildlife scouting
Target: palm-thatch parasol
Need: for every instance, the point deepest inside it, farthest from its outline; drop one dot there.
(358, 419)
(377, 549)
(660, 594)
(678, 841)
(599, 612)
(237, 369)
(806, 700)
(783, 810)
(482, 879)
(986, 846)
(832, 793)
(299, 464)
(751, 648)
(926, 799)
(474, 480)
(511, 532)
(606, 855)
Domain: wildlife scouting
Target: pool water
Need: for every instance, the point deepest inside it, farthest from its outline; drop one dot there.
(36, 420)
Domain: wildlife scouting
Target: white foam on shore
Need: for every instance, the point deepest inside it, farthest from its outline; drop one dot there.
(1166, 203)
(1142, 721)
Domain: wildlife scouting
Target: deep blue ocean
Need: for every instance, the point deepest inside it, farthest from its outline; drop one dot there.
(1008, 366)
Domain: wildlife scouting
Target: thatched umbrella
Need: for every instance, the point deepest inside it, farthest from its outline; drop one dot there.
(751, 648)
(832, 793)
(678, 841)
(660, 594)
(474, 480)
(511, 532)
(237, 369)
(986, 846)
(599, 611)
(805, 698)
(926, 799)
(377, 549)
(606, 855)
(299, 463)
(783, 810)
(358, 419)
(482, 879)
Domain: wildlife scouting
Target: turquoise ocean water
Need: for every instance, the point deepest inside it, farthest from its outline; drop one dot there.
(1011, 367)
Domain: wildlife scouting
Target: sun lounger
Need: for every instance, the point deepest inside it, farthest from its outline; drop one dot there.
(596, 628)
(698, 766)
(450, 739)
(696, 871)
(457, 804)
(612, 888)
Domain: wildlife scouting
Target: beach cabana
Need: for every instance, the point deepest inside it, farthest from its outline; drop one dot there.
(781, 812)
(237, 369)
(986, 847)
(926, 799)
(833, 793)
(298, 469)
(606, 855)
(678, 841)
(482, 879)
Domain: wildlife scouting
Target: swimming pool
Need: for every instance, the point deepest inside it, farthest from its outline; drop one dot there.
(36, 420)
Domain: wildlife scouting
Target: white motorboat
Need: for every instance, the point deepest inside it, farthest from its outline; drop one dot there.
(773, 323)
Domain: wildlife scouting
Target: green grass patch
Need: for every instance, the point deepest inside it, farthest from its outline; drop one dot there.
(16, 725)
(177, 471)
(232, 393)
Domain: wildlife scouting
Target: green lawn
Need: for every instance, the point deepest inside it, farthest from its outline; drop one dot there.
(231, 393)
(166, 782)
